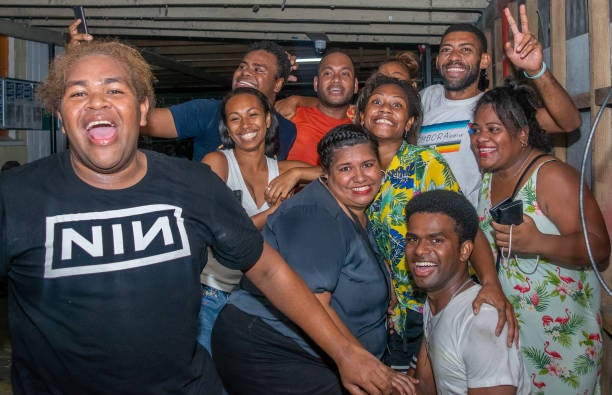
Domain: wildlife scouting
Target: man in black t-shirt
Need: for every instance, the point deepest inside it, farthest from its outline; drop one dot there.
(103, 246)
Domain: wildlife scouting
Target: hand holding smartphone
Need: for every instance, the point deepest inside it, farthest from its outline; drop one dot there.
(79, 13)
(508, 212)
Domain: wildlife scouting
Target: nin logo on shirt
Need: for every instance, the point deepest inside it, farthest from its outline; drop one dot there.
(106, 241)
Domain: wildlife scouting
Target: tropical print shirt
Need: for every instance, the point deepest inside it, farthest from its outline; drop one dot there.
(413, 170)
(557, 307)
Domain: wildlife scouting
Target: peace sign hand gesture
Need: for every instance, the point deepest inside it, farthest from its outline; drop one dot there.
(525, 52)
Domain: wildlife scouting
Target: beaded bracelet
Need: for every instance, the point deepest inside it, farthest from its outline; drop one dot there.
(540, 73)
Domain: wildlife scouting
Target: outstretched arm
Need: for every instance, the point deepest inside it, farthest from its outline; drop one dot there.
(292, 173)
(288, 106)
(360, 371)
(160, 124)
(559, 113)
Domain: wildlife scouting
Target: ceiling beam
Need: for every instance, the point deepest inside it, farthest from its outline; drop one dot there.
(306, 14)
(255, 36)
(392, 4)
(27, 32)
(168, 63)
(255, 26)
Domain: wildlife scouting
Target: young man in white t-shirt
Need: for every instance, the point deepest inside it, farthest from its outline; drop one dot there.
(460, 353)
(448, 108)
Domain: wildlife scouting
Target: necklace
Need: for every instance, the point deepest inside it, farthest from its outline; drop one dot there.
(469, 280)
(517, 171)
(429, 330)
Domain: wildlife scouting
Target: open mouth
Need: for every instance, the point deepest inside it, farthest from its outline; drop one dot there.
(362, 190)
(484, 152)
(245, 84)
(455, 68)
(423, 269)
(101, 132)
(383, 121)
(248, 136)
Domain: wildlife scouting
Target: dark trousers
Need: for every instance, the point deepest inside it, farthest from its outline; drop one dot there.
(253, 358)
(402, 351)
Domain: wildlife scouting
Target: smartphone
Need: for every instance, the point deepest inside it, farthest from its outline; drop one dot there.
(508, 212)
(79, 13)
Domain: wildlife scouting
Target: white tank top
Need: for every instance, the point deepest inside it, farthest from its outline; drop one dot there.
(216, 275)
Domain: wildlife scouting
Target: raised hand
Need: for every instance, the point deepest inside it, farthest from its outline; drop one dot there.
(294, 66)
(75, 36)
(525, 51)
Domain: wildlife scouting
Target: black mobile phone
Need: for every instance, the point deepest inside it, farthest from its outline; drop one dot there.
(508, 212)
(79, 13)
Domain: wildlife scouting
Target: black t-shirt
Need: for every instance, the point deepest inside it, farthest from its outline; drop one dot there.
(104, 286)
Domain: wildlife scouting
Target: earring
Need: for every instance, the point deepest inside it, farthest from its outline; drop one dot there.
(523, 144)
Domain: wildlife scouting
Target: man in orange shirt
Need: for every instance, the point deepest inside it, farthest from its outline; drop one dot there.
(335, 84)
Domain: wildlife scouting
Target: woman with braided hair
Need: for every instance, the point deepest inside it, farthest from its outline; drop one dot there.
(321, 233)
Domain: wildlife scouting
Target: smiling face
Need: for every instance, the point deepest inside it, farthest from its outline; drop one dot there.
(386, 113)
(101, 116)
(460, 60)
(436, 257)
(246, 121)
(258, 69)
(354, 176)
(335, 83)
(496, 147)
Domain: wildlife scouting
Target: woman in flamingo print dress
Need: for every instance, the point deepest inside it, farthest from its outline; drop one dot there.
(544, 267)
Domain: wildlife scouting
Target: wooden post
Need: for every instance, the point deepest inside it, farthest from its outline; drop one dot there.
(558, 65)
(599, 39)
(498, 54)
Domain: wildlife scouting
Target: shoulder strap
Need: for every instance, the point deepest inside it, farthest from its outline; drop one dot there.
(518, 183)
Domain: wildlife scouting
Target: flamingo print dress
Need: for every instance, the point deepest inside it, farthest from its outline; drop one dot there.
(557, 308)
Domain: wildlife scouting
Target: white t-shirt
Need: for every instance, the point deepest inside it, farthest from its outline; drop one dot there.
(446, 127)
(464, 351)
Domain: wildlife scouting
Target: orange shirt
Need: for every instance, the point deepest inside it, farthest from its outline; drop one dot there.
(311, 126)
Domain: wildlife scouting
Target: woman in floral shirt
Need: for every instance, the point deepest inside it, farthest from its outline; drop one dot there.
(391, 110)
(543, 265)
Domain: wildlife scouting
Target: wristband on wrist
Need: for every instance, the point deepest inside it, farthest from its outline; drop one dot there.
(540, 73)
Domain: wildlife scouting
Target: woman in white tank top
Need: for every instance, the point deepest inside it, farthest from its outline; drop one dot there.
(249, 133)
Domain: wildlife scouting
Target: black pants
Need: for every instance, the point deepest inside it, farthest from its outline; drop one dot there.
(402, 351)
(253, 358)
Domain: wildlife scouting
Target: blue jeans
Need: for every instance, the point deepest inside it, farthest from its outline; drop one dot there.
(213, 301)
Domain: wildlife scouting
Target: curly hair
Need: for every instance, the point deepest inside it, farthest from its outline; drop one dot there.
(516, 105)
(51, 91)
(271, 141)
(283, 64)
(341, 136)
(450, 203)
(408, 61)
(414, 102)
